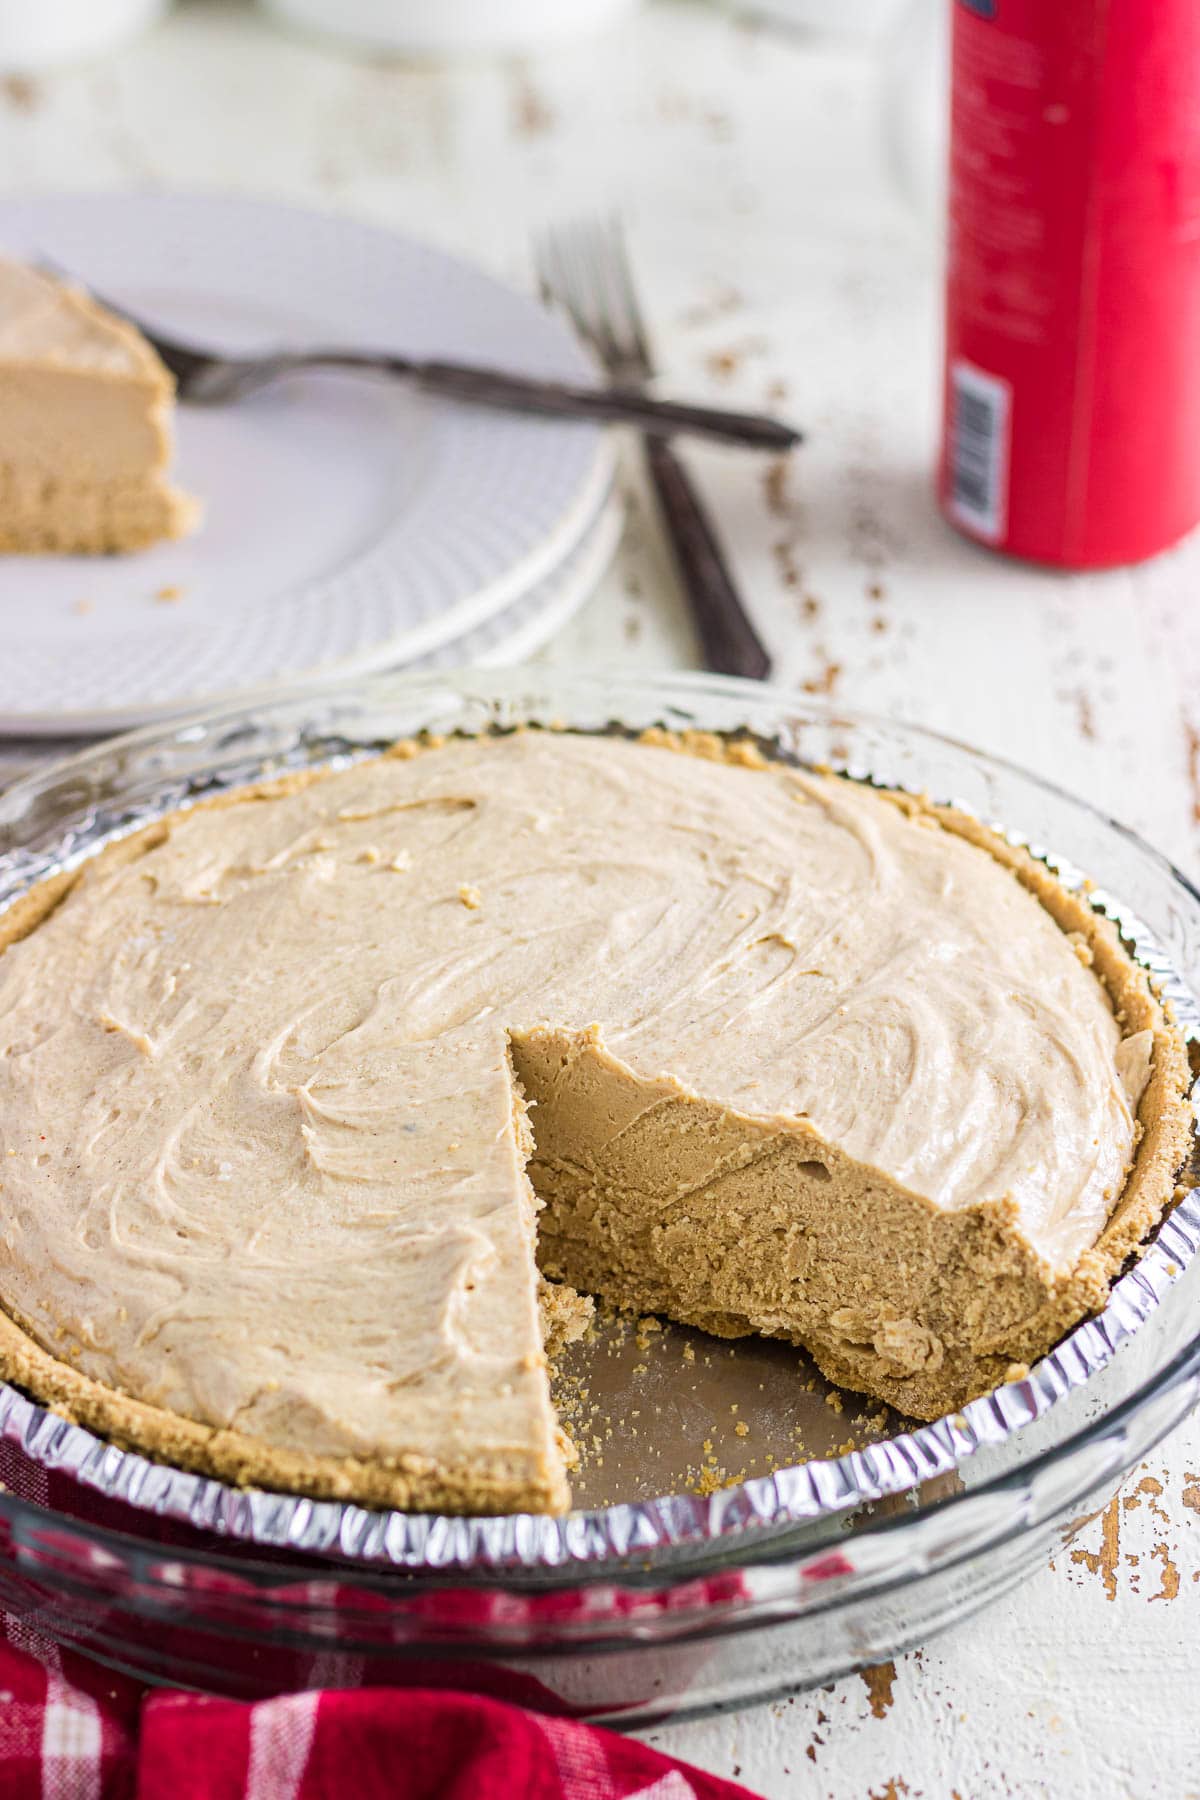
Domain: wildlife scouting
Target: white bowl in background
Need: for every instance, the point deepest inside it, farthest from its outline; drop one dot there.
(830, 18)
(916, 111)
(449, 27)
(38, 34)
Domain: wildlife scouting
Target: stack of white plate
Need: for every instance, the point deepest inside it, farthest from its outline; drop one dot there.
(350, 524)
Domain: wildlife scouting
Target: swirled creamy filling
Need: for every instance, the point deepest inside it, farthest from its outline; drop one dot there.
(264, 1163)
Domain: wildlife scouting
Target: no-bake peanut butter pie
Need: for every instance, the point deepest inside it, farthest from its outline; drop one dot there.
(85, 425)
(298, 1088)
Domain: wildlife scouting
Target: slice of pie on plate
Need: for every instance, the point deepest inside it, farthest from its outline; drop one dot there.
(298, 1087)
(85, 425)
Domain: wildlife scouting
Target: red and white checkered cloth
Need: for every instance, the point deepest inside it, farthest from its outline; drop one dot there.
(70, 1730)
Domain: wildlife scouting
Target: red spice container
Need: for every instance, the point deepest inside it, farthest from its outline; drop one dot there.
(1072, 411)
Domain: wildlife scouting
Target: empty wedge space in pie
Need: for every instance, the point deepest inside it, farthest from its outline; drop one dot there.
(307, 1089)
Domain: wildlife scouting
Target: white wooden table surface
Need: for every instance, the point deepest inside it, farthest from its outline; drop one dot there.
(779, 267)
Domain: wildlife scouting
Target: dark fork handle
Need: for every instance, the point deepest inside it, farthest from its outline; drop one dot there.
(730, 643)
(558, 399)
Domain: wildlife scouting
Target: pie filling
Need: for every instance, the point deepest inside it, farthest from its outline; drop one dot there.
(299, 1087)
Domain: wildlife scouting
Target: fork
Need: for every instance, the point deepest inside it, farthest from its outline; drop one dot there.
(585, 268)
(208, 378)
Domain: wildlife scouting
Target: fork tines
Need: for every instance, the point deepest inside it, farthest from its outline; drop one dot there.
(585, 267)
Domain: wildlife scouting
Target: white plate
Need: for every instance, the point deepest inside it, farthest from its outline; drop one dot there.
(351, 525)
(522, 628)
(507, 637)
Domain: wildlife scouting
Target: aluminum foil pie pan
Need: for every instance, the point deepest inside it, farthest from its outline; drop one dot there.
(819, 1474)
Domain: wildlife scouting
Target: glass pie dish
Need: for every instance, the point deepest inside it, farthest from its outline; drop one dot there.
(707, 1563)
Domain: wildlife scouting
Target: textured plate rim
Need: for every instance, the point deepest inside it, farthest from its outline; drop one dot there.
(583, 572)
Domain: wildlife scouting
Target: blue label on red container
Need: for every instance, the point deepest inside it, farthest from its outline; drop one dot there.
(985, 8)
